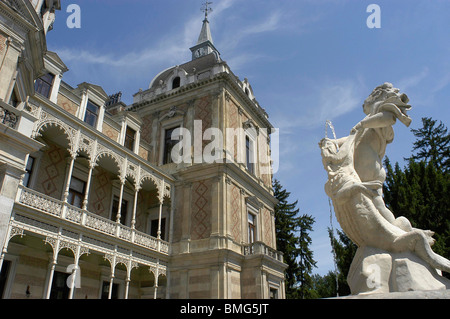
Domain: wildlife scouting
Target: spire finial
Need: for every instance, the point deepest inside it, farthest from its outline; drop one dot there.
(206, 8)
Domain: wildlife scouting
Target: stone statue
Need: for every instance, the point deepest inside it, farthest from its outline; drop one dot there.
(390, 250)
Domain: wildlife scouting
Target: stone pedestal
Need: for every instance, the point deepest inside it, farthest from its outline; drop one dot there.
(425, 294)
(375, 271)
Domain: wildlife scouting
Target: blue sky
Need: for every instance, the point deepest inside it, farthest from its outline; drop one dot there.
(308, 61)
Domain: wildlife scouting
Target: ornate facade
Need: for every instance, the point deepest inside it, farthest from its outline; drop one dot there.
(92, 204)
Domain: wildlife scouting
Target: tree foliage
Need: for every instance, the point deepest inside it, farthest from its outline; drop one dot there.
(292, 232)
(421, 190)
(432, 144)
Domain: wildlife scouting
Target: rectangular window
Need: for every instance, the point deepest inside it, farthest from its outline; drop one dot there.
(251, 228)
(14, 99)
(91, 115)
(249, 154)
(43, 85)
(273, 293)
(123, 210)
(29, 170)
(154, 228)
(60, 289)
(4, 277)
(168, 145)
(76, 192)
(130, 137)
(105, 290)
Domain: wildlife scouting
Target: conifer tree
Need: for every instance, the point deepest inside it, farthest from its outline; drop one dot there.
(421, 191)
(432, 144)
(292, 232)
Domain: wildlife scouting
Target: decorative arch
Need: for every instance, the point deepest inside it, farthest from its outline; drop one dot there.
(115, 260)
(177, 76)
(176, 82)
(152, 178)
(133, 172)
(69, 132)
(87, 145)
(117, 160)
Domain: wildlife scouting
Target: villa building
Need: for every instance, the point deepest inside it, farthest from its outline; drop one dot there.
(93, 203)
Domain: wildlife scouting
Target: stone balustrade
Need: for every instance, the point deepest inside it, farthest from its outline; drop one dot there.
(259, 248)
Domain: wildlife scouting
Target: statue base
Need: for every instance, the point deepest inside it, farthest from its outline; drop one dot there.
(376, 271)
(428, 294)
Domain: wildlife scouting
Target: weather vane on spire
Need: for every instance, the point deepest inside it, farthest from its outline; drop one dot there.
(206, 8)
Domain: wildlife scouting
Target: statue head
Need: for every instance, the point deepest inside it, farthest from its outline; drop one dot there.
(385, 93)
(329, 149)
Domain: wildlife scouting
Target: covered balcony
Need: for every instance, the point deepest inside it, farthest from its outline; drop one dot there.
(89, 203)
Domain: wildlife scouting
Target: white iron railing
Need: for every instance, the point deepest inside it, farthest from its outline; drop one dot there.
(60, 209)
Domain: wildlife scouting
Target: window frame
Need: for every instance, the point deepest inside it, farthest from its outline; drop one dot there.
(273, 293)
(41, 83)
(167, 158)
(26, 181)
(176, 82)
(251, 227)
(89, 113)
(14, 99)
(114, 207)
(250, 154)
(76, 193)
(128, 138)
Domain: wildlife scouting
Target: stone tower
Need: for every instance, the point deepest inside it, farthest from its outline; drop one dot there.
(223, 231)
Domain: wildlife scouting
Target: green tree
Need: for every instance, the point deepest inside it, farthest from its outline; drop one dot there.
(421, 190)
(324, 286)
(421, 193)
(292, 232)
(432, 144)
(305, 256)
(344, 250)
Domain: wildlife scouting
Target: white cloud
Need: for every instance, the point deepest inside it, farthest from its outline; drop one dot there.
(237, 36)
(326, 101)
(172, 48)
(413, 80)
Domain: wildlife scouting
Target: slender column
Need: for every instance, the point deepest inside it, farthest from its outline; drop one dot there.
(50, 279)
(161, 200)
(54, 262)
(75, 270)
(127, 285)
(112, 261)
(156, 289)
(72, 284)
(159, 221)
(88, 185)
(2, 257)
(122, 184)
(111, 280)
(172, 212)
(155, 294)
(133, 220)
(128, 279)
(5, 247)
(69, 178)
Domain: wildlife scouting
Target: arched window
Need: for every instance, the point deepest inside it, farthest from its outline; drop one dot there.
(176, 83)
